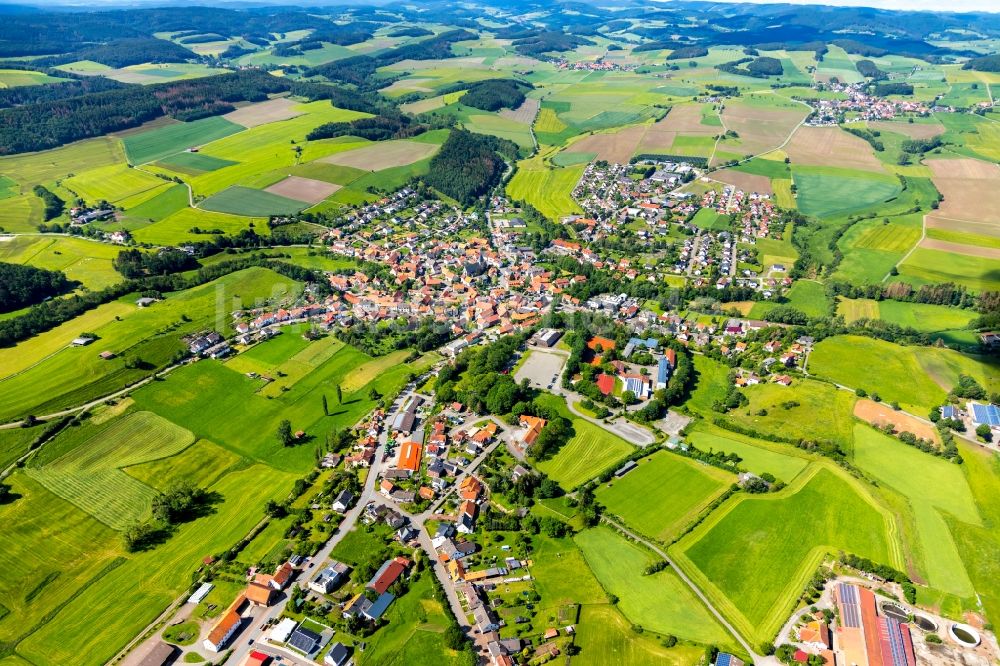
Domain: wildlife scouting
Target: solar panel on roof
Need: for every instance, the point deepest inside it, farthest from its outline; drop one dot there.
(850, 612)
(724, 659)
(988, 414)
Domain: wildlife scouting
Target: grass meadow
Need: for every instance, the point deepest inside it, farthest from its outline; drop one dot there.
(604, 635)
(926, 266)
(586, 455)
(783, 461)
(932, 487)
(249, 202)
(753, 556)
(661, 602)
(918, 378)
(664, 494)
(807, 409)
(46, 374)
(548, 190)
(90, 475)
(156, 144)
(86, 261)
(826, 191)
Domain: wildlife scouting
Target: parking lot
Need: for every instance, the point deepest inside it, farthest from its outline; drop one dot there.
(542, 368)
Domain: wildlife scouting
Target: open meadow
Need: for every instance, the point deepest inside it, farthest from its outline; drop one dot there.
(664, 494)
(918, 378)
(753, 556)
(661, 602)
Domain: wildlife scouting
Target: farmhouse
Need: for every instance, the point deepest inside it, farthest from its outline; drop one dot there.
(388, 574)
(226, 627)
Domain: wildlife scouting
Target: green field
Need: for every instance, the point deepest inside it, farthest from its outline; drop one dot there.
(194, 162)
(590, 451)
(116, 184)
(925, 317)
(661, 602)
(126, 599)
(711, 384)
(664, 494)
(177, 227)
(166, 203)
(90, 475)
(918, 378)
(548, 190)
(297, 397)
(925, 266)
(826, 191)
(604, 636)
(822, 411)
(44, 374)
(15, 442)
(200, 464)
(13, 78)
(156, 144)
(86, 261)
(781, 460)
(932, 487)
(754, 555)
(706, 218)
(805, 296)
(250, 202)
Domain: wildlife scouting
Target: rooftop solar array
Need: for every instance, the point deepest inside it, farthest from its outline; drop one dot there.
(850, 611)
(988, 414)
(892, 636)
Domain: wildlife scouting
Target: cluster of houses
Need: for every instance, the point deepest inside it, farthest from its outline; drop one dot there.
(208, 343)
(611, 196)
(859, 101)
(598, 65)
(261, 591)
(630, 377)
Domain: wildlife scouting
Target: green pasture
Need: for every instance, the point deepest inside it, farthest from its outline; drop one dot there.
(758, 456)
(296, 398)
(826, 191)
(925, 317)
(872, 247)
(166, 203)
(123, 601)
(664, 494)
(807, 409)
(51, 550)
(115, 184)
(978, 545)
(15, 442)
(177, 227)
(604, 636)
(707, 218)
(918, 378)
(661, 602)
(805, 296)
(14, 78)
(86, 261)
(548, 190)
(971, 136)
(249, 202)
(194, 163)
(201, 465)
(45, 374)
(932, 486)
(156, 144)
(561, 573)
(711, 384)
(586, 455)
(754, 555)
(926, 266)
(91, 478)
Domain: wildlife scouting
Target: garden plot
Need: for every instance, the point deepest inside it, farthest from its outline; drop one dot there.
(303, 189)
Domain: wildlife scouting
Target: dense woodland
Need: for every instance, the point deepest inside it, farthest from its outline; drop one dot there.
(495, 94)
(53, 123)
(469, 165)
(21, 286)
(377, 128)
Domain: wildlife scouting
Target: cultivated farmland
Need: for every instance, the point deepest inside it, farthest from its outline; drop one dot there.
(754, 556)
(90, 476)
(383, 155)
(158, 143)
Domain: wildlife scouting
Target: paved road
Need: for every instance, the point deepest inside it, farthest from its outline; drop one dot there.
(350, 520)
(757, 659)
